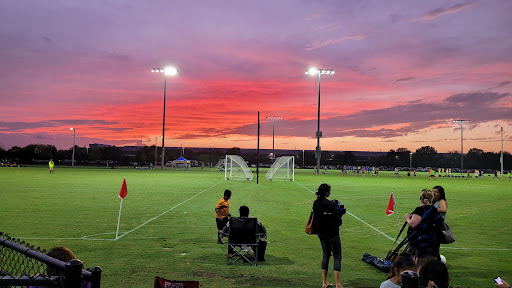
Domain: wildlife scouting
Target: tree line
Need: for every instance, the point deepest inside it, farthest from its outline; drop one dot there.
(426, 156)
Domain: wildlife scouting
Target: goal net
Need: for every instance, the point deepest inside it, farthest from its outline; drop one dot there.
(236, 168)
(282, 169)
(220, 164)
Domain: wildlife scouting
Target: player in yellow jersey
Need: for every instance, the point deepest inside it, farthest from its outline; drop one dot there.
(51, 164)
(222, 213)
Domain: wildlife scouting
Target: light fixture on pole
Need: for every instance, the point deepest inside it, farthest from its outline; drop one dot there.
(312, 72)
(302, 159)
(73, 157)
(461, 141)
(171, 71)
(273, 118)
(410, 161)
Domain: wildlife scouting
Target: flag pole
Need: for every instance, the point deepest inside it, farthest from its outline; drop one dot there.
(122, 193)
(396, 209)
(119, 218)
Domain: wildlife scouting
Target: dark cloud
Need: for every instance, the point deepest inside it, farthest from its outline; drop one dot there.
(504, 83)
(476, 97)
(405, 79)
(446, 10)
(408, 118)
(19, 126)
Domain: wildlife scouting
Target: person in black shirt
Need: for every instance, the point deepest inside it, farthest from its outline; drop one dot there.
(425, 244)
(326, 222)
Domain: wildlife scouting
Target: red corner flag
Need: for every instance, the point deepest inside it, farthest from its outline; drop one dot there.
(124, 190)
(391, 205)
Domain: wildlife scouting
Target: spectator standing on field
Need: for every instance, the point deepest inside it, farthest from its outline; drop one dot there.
(425, 243)
(222, 214)
(440, 201)
(51, 164)
(326, 223)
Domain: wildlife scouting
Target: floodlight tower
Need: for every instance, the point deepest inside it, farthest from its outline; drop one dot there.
(501, 158)
(461, 142)
(171, 71)
(73, 157)
(273, 118)
(410, 161)
(313, 71)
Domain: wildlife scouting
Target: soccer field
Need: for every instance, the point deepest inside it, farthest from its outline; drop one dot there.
(168, 224)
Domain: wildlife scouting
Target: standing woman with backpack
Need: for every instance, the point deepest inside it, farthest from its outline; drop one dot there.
(424, 240)
(326, 223)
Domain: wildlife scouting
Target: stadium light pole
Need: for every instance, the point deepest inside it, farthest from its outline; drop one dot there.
(312, 71)
(171, 71)
(501, 158)
(73, 156)
(156, 148)
(461, 141)
(273, 118)
(410, 161)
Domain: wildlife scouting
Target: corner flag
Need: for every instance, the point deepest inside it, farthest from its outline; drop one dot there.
(124, 190)
(122, 193)
(391, 205)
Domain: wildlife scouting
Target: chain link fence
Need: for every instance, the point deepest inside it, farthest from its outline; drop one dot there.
(24, 265)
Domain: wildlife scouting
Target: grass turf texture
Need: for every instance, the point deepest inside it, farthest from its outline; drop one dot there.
(168, 218)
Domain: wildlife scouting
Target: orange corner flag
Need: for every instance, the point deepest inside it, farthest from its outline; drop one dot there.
(391, 205)
(124, 190)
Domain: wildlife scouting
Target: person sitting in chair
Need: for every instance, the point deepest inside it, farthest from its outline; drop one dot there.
(261, 232)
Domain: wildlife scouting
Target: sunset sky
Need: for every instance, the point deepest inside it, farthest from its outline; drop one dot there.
(404, 70)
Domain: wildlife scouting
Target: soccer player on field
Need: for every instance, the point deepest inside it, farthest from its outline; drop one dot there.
(222, 213)
(51, 164)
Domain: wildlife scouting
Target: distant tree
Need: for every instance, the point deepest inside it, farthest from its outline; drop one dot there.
(3, 153)
(391, 158)
(450, 160)
(233, 151)
(337, 159)
(475, 159)
(48, 152)
(404, 157)
(426, 156)
(309, 158)
(349, 158)
(144, 154)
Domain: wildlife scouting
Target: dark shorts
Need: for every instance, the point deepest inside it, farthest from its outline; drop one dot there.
(221, 223)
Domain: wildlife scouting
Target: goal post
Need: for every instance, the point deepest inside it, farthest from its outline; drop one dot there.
(282, 169)
(221, 164)
(235, 168)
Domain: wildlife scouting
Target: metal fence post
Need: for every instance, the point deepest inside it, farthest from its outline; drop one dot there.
(95, 277)
(73, 274)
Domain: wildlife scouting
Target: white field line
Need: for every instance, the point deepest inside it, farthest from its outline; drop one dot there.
(91, 237)
(385, 235)
(170, 209)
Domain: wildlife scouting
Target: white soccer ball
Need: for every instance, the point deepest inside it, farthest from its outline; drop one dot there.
(443, 259)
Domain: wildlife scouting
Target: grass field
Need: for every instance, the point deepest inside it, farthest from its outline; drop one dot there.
(168, 224)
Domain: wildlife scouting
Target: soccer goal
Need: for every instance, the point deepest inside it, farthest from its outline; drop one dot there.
(282, 169)
(221, 164)
(236, 168)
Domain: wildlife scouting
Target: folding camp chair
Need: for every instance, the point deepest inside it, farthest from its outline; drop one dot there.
(243, 240)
